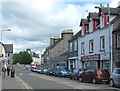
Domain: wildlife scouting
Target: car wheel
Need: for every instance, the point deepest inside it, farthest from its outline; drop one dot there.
(111, 83)
(70, 77)
(94, 81)
(80, 79)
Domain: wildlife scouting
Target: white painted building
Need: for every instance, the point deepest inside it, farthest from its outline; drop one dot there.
(2, 52)
(94, 44)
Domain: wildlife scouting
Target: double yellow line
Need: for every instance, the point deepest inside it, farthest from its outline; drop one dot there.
(23, 83)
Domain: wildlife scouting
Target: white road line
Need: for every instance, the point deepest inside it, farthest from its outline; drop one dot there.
(27, 87)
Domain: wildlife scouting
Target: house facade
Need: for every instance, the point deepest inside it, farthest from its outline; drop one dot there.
(73, 61)
(94, 50)
(116, 42)
(57, 53)
(2, 54)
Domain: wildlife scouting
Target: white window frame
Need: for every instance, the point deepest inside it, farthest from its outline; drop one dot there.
(102, 17)
(91, 48)
(101, 43)
(71, 47)
(82, 48)
(75, 46)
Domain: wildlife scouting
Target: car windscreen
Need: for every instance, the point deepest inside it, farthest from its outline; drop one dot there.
(102, 71)
(117, 71)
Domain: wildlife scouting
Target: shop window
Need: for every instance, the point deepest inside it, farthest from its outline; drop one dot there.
(91, 46)
(102, 43)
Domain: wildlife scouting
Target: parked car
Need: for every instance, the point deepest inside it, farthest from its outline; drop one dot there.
(95, 76)
(51, 71)
(62, 72)
(44, 71)
(76, 73)
(39, 70)
(34, 69)
(115, 78)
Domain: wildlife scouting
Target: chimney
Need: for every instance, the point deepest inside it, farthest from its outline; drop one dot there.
(100, 5)
(119, 4)
(107, 5)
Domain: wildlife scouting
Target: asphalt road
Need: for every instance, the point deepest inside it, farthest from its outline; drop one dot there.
(40, 81)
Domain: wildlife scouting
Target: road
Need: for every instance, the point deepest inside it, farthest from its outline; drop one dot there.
(31, 80)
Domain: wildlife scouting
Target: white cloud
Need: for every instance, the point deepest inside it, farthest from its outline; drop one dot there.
(32, 21)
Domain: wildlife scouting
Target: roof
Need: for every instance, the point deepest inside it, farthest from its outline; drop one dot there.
(75, 36)
(115, 19)
(83, 21)
(8, 48)
(93, 16)
(113, 11)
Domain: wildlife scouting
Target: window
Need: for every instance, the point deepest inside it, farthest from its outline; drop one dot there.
(82, 48)
(8, 54)
(75, 46)
(102, 43)
(87, 28)
(118, 40)
(91, 46)
(70, 47)
(102, 21)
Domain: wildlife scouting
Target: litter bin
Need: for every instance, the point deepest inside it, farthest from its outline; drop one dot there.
(12, 73)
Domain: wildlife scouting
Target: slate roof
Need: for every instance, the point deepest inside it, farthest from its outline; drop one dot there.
(8, 48)
(93, 16)
(83, 21)
(113, 11)
(75, 36)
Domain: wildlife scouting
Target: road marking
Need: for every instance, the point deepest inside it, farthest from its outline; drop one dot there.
(24, 83)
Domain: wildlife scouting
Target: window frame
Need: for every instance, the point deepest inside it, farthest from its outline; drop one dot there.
(75, 45)
(71, 44)
(101, 43)
(118, 46)
(82, 48)
(91, 41)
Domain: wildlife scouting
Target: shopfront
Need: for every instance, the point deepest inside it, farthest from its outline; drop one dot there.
(91, 61)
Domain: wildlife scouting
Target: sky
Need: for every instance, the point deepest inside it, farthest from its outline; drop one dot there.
(34, 22)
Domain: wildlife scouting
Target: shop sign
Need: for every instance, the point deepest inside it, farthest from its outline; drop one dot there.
(91, 57)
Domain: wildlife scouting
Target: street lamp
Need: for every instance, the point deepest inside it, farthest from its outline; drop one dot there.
(2, 31)
(110, 45)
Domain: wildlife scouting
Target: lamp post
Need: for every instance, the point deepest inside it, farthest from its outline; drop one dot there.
(110, 45)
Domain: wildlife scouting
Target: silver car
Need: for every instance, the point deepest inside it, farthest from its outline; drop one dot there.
(115, 78)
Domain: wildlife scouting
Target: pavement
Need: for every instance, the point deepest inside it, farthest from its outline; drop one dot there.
(10, 83)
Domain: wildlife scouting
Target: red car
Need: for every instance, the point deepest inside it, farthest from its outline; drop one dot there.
(95, 76)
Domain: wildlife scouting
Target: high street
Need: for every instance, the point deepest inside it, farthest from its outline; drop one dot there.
(31, 80)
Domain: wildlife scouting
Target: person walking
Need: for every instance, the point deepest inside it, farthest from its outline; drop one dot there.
(3, 71)
(8, 70)
(12, 72)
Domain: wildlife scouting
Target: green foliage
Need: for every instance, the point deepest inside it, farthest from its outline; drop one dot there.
(22, 57)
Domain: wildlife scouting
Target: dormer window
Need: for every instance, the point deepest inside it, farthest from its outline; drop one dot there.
(102, 21)
(97, 24)
(86, 28)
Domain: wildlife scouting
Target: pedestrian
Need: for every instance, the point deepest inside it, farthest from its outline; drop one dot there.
(3, 71)
(12, 72)
(26, 68)
(8, 70)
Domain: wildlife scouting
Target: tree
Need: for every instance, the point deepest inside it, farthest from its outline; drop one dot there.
(22, 57)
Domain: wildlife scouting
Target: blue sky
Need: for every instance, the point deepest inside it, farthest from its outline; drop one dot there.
(33, 21)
